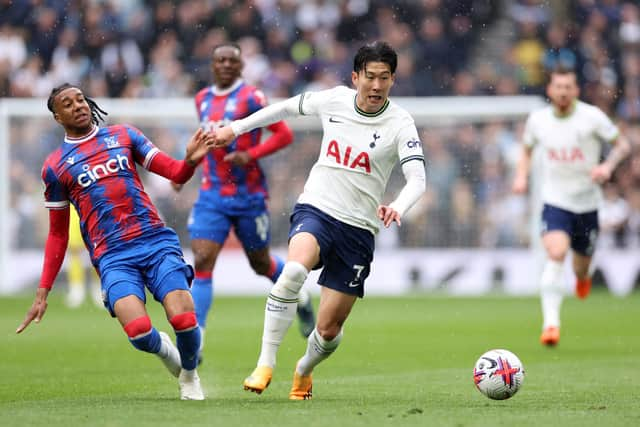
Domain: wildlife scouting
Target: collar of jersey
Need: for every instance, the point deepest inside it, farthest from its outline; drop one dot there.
(569, 112)
(223, 92)
(71, 140)
(364, 113)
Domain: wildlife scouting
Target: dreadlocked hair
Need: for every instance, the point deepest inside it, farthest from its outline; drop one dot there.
(97, 113)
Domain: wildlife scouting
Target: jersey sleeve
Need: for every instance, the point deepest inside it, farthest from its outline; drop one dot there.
(409, 145)
(528, 136)
(606, 130)
(143, 149)
(55, 192)
(312, 103)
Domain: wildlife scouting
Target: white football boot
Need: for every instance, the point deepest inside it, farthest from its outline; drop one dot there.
(169, 355)
(190, 388)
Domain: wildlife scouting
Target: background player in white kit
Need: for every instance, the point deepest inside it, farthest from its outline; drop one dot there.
(337, 215)
(570, 133)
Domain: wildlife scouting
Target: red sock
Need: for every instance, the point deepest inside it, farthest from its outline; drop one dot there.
(184, 322)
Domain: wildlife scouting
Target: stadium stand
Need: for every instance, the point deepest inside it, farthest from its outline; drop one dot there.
(161, 48)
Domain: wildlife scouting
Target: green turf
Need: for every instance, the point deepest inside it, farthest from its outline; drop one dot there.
(403, 361)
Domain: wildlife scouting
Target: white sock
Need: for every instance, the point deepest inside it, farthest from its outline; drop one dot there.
(551, 293)
(280, 310)
(163, 353)
(303, 297)
(318, 349)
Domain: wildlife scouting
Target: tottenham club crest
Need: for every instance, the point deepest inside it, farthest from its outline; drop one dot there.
(376, 137)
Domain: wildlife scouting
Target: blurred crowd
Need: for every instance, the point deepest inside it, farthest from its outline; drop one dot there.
(161, 48)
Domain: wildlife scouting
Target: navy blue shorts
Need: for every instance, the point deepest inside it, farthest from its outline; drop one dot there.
(153, 262)
(346, 252)
(211, 221)
(581, 228)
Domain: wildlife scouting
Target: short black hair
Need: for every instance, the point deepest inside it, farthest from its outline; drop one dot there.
(96, 111)
(377, 51)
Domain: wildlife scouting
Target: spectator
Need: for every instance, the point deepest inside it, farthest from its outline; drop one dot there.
(527, 52)
(13, 49)
(558, 52)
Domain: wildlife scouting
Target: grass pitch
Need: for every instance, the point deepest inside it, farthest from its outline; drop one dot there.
(403, 361)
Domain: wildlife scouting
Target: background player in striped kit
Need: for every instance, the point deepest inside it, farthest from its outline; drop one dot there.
(95, 170)
(233, 192)
(340, 210)
(570, 133)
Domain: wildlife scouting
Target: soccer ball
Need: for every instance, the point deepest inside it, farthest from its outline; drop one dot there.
(498, 374)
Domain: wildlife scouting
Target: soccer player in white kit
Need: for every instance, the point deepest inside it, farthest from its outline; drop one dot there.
(337, 215)
(570, 133)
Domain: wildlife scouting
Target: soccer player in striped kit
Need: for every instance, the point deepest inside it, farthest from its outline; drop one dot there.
(95, 169)
(340, 210)
(570, 134)
(234, 191)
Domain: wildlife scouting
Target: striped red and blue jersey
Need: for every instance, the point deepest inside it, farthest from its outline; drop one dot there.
(218, 108)
(97, 174)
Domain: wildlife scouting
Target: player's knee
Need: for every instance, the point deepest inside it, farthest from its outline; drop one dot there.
(291, 280)
(557, 254)
(203, 261)
(184, 321)
(178, 301)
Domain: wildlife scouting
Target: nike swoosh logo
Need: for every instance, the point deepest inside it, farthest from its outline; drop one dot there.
(353, 285)
(332, 120)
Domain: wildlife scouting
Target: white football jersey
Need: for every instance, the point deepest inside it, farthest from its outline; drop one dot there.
(358, 153)
(572, 146)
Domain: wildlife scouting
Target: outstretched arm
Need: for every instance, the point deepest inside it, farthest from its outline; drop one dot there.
(266, 116)
(416, 183)
(281, 137)
(180, 171)
(54, 250)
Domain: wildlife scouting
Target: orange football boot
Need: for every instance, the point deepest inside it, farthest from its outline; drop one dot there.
(550, 336)
(301, 387)
(259, 379)
(583, 287)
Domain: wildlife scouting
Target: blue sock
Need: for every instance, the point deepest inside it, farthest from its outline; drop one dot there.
(150, 342)
(188, 343)
(202, 292)
(277, 264)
